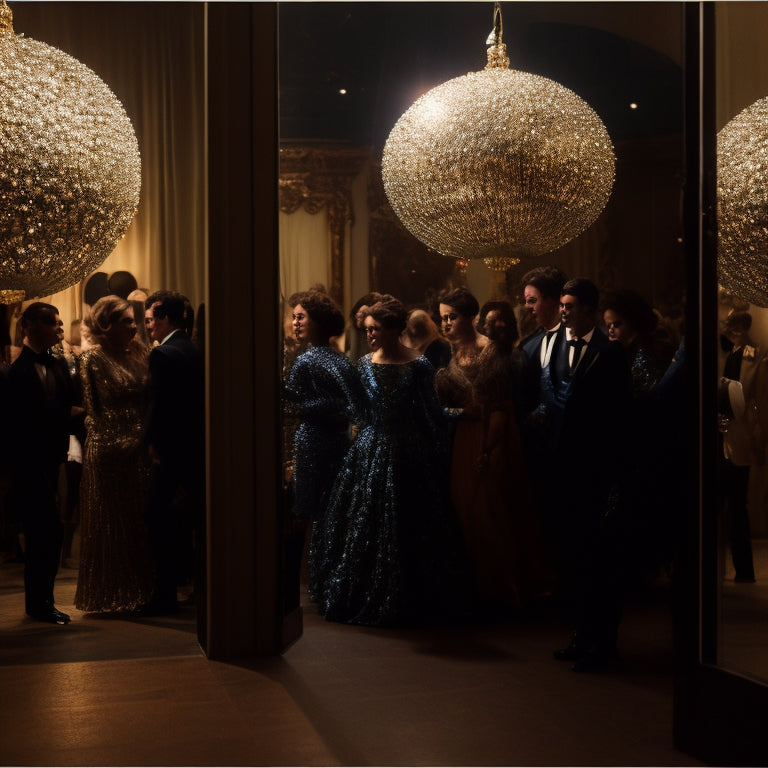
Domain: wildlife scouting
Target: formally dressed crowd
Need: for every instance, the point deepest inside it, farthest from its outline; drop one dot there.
(447, 469)
(450, 470)
(108, 436)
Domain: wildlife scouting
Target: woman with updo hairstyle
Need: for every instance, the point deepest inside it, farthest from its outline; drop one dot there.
(422, 334)
(458, 311)
(324, 394)
(115, 572)
(396, 556)
(356, 342)
(489, 480)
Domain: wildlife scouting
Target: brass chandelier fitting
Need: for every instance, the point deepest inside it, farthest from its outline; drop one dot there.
(70, 171)
(742, 202)
(498, 165)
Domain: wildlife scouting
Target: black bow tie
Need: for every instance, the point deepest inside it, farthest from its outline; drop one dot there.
(577, 344)
(44, 358)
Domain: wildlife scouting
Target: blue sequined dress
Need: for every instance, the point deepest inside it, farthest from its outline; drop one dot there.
(323, 391)
(395, 553)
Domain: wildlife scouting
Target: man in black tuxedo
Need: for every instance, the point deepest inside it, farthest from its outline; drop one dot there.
(541, 294)
(174, 434)
(41, 412)
(586, 391)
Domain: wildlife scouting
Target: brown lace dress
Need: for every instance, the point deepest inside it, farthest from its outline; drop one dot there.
(115, 572)
(489, 481)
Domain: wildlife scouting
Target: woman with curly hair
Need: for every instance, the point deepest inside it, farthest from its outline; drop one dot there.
(397, 554)
(323, 394)
(631, 321)
(115, 572)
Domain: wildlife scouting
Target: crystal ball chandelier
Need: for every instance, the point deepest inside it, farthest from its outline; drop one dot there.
(498, 165)
(742, 204)
(70, 171)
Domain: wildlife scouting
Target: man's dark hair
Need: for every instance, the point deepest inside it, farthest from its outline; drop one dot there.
(174, 306)
(547, 280)
(739, 320)
(584, 290)
(461, 300)
(35, 312)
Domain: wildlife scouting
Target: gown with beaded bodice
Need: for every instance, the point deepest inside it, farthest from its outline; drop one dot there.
(115, 568)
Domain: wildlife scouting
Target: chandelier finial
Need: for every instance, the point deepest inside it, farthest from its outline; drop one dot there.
(497, 51)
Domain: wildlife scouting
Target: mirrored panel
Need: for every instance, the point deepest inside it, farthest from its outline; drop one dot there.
(742, 185)
(349, 71)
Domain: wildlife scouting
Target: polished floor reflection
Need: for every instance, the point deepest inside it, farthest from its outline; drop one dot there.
(744, 619)
(124, 691)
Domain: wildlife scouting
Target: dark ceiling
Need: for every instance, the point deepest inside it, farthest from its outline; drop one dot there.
(385, 55)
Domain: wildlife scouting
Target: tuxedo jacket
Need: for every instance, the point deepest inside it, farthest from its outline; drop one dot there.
(595, 401)
(746, 438)
(41, 424)
(530, 378)
(174, 424)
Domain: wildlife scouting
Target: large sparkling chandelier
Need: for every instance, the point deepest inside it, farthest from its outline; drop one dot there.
(70, 171)
(498, 165)
(742, 201)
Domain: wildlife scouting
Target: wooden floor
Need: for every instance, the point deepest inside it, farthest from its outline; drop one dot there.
(744, 618)
(127, 691)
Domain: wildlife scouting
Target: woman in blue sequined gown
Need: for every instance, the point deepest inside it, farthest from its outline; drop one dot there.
(396, 555)
(324, 393)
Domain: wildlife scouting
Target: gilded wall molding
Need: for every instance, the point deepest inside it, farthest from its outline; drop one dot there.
(319, 177)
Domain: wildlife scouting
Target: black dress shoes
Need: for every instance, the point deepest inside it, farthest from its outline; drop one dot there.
(49, 614)
(575, 650)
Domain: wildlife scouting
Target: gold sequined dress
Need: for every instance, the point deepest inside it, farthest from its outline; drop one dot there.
(115, 571)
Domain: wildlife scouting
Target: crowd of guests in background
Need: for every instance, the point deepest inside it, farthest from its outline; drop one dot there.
(451, 470)
(448, 469)
(109, 438)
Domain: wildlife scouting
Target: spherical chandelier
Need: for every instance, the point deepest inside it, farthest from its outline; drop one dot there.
(498, 165)
(742, 202)
(70, 171)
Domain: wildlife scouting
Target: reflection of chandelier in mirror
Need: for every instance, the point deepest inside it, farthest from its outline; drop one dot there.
(70, 171)
(742, 202)
(499, 165)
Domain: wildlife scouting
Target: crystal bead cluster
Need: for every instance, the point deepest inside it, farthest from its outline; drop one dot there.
(742, 201)
(70, 171)
(498, 165)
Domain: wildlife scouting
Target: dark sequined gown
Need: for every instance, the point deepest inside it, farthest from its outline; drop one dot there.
(323, 392)
(394, 555)
(115, 571)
